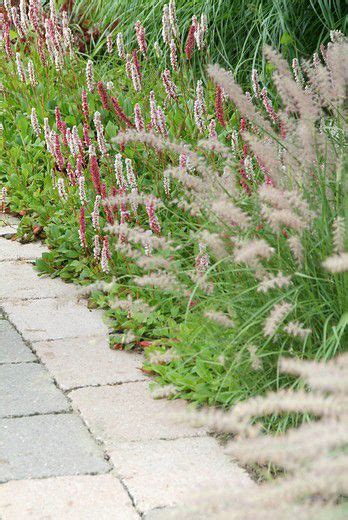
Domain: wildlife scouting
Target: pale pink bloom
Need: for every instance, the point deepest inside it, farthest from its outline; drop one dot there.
(61, 189)
(75, 141)
(172, 18)
(20, 69)
(173, 55)
(121, 182)
(47, 134)
(82, 190)
(183, 161)
(255, 83)
(100, 133)
(166, 26)
(120, 46)
(95, 213)
(96, 247)
(90, 76)
(140, 34)
(199, 33)
(105, 256)
(169, 85)
(161, 122)
(200, 95)
(31, 74)
(7, 5)
(131, 178)
(297, 72)
(198, 116)
(212, 129)
(135, 78)
(17, 23)
(166, 182)
(153, 110)
(153, 221)
(109, 44)
(138, 118)
(68, 40)
(34, 122)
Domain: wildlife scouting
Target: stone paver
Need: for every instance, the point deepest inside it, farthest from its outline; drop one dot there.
(20, 280)
(88, 361)
(169, 473)
(8, 226)
(11, 250)
(27, 388)
(53, 319)
(97, 497)
(12, 347)
(7, 231)
(47, 445)
(129, 413)
(162, 513)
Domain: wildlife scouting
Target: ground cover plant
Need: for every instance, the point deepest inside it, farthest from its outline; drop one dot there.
(211, 221)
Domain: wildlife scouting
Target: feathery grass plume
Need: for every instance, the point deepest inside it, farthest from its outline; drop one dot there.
(296, 329)
(336, 263)
(161, 280)
(159, 358)
(312, 455)
(338, 234)
(231, 214)
(219, 317)
(252, 251)
(274, 282)
(276, 317)
(234, 92)
(161, 392)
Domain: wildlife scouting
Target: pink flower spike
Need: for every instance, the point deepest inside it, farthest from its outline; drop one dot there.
(153, 221)
(95, 173)
(86, 137)
(140, 34)
(109, 44)
(219, 111)
(58, 153)
(120, 113)
(169, 85)
(105, 255)
(267, 103)
(82, 230)
(85, 109)
(190, 42)
(138, 118)
(103, 95)
(212, 129)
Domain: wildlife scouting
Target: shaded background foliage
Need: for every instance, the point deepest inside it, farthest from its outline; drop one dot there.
(238, 29)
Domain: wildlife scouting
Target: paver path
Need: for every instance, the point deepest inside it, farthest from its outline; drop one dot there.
(80, 435)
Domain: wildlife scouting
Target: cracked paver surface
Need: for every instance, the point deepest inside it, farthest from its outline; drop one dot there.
(80, 435)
